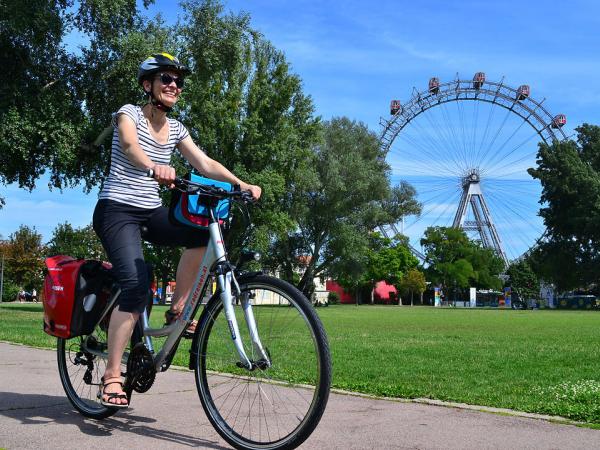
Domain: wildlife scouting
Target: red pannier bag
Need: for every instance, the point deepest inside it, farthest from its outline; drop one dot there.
(75, 294)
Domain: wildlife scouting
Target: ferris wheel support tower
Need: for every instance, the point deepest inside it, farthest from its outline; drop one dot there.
(472, 196)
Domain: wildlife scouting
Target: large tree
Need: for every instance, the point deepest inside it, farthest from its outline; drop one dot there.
(454, 261)
(569, 171)
(350, 196)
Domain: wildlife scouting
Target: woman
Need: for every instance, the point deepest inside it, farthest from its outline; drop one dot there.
(144, 139)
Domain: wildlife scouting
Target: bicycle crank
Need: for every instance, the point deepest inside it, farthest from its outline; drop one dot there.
(140, 369)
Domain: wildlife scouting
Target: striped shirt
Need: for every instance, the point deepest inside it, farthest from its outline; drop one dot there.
(128, 184)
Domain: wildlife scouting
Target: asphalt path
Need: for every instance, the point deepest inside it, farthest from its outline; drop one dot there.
(34, 414)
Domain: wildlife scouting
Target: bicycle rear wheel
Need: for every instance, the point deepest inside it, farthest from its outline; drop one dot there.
(81, 370)
(276, 407)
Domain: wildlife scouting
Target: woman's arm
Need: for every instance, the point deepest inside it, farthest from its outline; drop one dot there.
(128, 137)
(211, 168)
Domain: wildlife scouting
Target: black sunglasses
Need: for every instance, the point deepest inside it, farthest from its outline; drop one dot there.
(167, 79)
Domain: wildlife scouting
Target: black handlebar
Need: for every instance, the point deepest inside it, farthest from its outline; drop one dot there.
(192, 187)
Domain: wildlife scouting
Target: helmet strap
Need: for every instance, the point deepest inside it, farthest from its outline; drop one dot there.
(157, 104)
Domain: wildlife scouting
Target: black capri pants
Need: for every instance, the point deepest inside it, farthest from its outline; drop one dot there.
(119, 227)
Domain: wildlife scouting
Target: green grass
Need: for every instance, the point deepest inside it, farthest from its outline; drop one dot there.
(536, 361)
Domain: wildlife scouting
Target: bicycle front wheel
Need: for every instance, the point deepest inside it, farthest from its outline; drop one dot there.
(275, 407)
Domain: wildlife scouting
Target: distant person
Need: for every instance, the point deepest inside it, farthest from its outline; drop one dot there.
(21, 296)
(34, 295)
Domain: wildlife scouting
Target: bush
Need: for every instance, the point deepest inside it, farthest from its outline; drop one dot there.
(333, 298)
(10, 291)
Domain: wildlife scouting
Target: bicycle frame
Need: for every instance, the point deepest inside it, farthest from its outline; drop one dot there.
(213, 261)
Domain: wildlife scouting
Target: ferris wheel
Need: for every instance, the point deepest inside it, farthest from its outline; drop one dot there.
(466, 145)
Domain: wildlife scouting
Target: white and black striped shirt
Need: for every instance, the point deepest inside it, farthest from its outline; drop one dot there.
(128, 184)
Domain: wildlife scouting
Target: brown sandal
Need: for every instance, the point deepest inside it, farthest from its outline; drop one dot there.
(106, 397)
(171, 316)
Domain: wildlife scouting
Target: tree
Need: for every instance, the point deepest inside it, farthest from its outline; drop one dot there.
(79, 242)
(337, 210)
(456, 262)
(569, 171)
(44, 125)
(248, 111)
(413, 281)
(523, 280)
(24, 258)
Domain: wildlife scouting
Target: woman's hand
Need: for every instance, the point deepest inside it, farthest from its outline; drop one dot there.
(256, 191)
(164, 174)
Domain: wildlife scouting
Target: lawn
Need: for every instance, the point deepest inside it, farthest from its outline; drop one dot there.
(536, 361)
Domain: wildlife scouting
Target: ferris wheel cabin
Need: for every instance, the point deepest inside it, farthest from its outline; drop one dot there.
(478, 80)
(559, 121)
(434, 85)
(395, 107)
(523, 92)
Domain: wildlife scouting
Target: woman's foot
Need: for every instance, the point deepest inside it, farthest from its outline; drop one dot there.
(171, 316)
(112, 394)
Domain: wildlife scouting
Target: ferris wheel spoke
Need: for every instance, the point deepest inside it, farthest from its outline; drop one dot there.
(432, 206)
(485, 133)
(493, 141)
(522, 158)
(441, 131)
(436, 152)
(451, 131)
(474, 121)
(494, 160)
(436, 161)
(464, 138)
(516, 238)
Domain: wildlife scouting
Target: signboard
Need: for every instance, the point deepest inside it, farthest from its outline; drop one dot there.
(473, 297)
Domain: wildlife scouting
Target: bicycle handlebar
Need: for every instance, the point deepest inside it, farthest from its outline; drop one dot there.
(192, 187)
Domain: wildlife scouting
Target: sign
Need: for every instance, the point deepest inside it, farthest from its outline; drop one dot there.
(437, 296)
(473, 297)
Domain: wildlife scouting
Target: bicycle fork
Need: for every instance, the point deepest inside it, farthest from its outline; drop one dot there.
(225, 280)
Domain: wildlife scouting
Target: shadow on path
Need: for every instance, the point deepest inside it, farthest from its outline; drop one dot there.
(32, 409)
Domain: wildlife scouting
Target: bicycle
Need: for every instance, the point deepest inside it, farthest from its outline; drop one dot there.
(262, 386)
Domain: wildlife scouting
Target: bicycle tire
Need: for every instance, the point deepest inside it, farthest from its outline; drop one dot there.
(81, 372)
(286, 401)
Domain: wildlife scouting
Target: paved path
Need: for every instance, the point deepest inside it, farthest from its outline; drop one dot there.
(34, 414)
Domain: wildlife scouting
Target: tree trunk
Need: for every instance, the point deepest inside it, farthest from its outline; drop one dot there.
(411, 298)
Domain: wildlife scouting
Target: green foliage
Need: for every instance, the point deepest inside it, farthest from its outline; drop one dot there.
(523, 280)
(569, 171)
(344, 202)
(413, 281)
(24, 258)
(389, 260)
(333, 298)
(76, 242)
(10, 291)
(455, 261)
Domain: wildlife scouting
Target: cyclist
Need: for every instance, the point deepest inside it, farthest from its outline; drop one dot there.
(144, 138)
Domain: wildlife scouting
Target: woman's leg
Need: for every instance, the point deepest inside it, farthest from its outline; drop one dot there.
(119, 332)
(118, 227)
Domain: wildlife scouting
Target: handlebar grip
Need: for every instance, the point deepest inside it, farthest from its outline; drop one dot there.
(150, 173)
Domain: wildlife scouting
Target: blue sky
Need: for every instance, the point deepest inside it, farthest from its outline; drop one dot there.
(355, 56)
